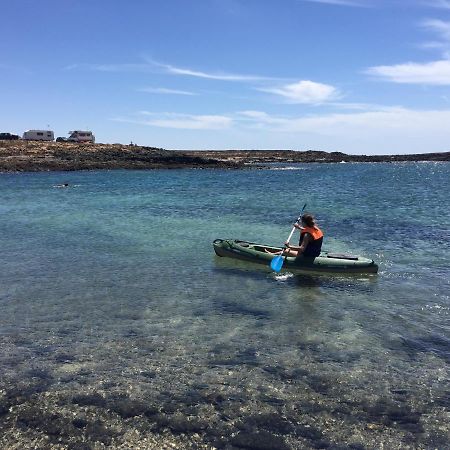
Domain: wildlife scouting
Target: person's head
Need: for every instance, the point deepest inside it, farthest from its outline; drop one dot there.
(308, 220)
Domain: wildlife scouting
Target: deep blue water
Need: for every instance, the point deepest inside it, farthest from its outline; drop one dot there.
(111, 288)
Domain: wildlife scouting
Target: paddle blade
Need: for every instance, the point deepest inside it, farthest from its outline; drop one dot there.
(277, 263)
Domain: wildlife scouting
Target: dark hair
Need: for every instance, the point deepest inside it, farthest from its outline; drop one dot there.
(308, 219)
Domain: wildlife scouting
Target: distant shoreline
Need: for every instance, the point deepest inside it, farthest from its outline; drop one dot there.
(32, 156)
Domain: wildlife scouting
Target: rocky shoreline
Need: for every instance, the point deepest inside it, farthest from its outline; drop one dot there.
(23, 156)
(30, 156)
(310, 156)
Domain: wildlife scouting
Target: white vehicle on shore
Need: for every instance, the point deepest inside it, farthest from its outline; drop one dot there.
(81, 136)
(38, 135)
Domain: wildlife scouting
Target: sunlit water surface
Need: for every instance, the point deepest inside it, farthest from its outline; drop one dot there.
(120, 327)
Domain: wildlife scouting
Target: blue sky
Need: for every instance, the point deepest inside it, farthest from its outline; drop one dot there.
(357, 76)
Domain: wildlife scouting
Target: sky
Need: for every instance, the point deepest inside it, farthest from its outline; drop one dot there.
(356, 76)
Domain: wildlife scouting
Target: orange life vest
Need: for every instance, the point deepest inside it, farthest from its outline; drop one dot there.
(315, 232)
(313, 248)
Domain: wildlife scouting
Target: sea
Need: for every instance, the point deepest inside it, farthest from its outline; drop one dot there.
(120, 327)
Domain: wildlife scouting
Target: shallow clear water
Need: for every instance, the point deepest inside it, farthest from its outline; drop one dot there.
(120, 325)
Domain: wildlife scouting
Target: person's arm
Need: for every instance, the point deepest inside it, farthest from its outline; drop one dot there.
(300, 249)
(294, 247)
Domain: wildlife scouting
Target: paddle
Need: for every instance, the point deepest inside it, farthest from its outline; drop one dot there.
(277, 263)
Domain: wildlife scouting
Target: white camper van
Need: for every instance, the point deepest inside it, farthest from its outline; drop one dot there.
(38, 135)
(81, 136)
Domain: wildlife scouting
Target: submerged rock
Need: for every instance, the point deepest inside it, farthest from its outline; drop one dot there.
(182, 424)
(261, 440)
(127, 408)
(89, 400)
(391, 414)
(4, 408)
(51, 424)
(272, 422)
(79, 422)
(79, 446)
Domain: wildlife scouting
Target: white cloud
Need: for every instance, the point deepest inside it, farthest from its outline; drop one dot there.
(383, 121)
(442, 29)
(356, 106)
(431, 73)
(194, 122)
(438, 26)
(162, 90)
(428, 73)
(151, 66)
(184, 121)
(305, 91)
(259, 115)
(259, 118)
(222, 76)
(385, 131)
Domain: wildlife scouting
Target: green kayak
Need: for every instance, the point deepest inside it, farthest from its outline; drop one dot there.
(326, 262)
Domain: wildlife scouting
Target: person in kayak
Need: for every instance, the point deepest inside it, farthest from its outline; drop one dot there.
(311, 238)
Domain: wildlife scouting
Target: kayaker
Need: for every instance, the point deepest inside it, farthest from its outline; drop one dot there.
(311, 237)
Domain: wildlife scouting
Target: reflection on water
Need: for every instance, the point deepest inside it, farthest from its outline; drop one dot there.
(261, 272)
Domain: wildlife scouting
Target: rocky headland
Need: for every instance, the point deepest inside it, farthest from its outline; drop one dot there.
(32, 156)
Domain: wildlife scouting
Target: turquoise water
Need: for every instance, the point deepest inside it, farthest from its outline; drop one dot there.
(120, 327)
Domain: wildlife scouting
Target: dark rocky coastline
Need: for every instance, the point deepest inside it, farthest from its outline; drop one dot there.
(310, 156)
(21, 156)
